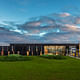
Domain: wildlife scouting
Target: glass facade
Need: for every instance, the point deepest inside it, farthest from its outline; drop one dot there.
(39, 49)
(54, 50)
(73, 51)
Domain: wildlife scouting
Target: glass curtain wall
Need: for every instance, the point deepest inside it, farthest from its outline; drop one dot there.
(54, 50)
(73, 51)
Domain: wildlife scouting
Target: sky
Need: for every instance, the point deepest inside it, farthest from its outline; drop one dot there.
(39, 21)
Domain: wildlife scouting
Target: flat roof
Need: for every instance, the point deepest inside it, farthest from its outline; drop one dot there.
(45, 44)
(4, 44)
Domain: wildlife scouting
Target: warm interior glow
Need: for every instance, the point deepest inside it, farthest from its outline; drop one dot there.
(54, 50)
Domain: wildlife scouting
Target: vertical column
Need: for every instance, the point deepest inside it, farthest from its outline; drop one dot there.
(41, 51)
(29, 50)
(8, 50)
(36, 50)
(32, 53)
(32, 50)
(56, 50)
(18, 52)
(71, 53)
(64, 52)
(12, 49)
(27, 53)
(67, 50)
(79, 49)
(45, 50)
(75, 53)
(2, 52)
(8, 53)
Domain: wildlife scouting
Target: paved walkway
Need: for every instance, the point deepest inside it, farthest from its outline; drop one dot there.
(75, 57)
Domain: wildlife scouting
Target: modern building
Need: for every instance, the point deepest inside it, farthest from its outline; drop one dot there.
(39, 49)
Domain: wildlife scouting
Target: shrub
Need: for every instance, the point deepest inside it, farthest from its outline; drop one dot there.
(15, 57)
(53, 56)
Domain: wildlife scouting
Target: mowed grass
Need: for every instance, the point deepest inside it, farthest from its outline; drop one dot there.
(41, 69)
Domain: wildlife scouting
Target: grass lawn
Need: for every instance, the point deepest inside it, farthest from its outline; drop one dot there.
(41, 69)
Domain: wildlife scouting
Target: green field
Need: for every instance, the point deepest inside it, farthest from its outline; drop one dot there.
(41, 69)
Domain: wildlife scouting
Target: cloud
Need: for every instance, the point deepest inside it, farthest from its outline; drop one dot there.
(35, 24)
(64, 14)
(56, 28)
(77, 20)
